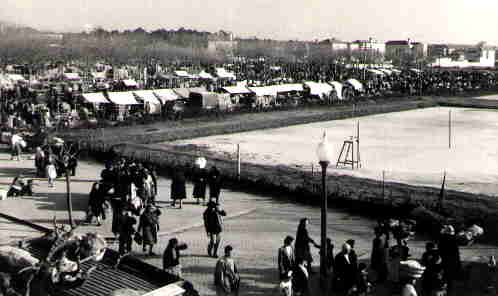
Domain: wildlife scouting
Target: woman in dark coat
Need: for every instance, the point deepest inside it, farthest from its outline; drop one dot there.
(178, 187)
(95, 204)
(171, 257)
(149, 225)
(301, 245)
(214, 182)
(380, 247)
(199, 176)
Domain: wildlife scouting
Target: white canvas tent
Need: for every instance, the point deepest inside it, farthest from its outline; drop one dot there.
(236, 90)
(122, 98)
(289, 87)
(165, 95)
(151, 104)
(95, 98)
(355, 83)
(318, 88)
(338, 88)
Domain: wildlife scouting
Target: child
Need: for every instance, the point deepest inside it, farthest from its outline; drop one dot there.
(51, 172)
(127, 230)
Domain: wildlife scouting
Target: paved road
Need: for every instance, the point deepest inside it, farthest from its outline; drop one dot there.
(255, 227)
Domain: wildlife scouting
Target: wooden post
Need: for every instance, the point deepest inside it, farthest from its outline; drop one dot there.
(449, 129)
(238, 161)
(358, 144)
(68, 197)
(383, 183)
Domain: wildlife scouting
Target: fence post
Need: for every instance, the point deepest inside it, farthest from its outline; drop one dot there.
(238, 162)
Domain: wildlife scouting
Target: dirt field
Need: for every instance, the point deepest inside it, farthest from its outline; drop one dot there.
(410, 147)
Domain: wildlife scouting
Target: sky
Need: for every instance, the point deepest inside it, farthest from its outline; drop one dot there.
(431, 21)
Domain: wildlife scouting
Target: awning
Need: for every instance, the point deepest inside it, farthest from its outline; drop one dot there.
(185, 92)
(122, 98)
(165, 95)
(236, 90)
(386, 71)
(183, 74)
(130, 83)
(415, 70)
(222, 73)
(317, 88)
(147, 96)
(95, 98)
(71, 76)
(355, 83)
(338, 88)
(289, 87)
(262, 91)
(205, 75)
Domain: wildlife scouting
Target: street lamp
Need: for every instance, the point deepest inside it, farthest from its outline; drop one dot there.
(323, 153)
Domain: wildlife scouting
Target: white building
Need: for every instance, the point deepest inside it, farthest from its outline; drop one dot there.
(472, 57)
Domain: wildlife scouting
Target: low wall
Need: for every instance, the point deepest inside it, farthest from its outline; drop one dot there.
(360, 195)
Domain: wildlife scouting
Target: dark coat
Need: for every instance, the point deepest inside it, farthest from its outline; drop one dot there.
(302, 246)
(345, 272)
(178, 186)
(450, 255)
(214, 181)
(300, 281)
(286, 263)
(171, 256)
(199, 177)
(213, 221)
(149, 225)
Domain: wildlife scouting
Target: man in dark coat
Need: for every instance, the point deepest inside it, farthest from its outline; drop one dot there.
(286, 258)
(214, 182)
(213, 223)
(344, 274)
(126, 232)
(302, 244)
(380, 248)
(300, 278)
(199, 176)
(450, 255)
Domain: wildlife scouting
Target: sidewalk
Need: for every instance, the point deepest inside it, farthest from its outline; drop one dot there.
(47, 203)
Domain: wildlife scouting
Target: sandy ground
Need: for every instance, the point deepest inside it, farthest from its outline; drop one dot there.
(409, 147)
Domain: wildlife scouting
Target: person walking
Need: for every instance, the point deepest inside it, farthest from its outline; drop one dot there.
(51, 171)
(450, 255)
(40, 162)
(178, 187)
(226, 275)
(199, 176)
(286, 258)
(95, 204)
(126, 232)
(379, 256)
(213, 223)
(171, 257)
(149, 226)
(302, 244)
(214, 182)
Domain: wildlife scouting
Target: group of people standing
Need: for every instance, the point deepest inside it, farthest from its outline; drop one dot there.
(438, 268)
(202, 179)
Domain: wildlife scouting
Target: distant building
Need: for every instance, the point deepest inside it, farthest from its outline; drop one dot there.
(370, 45)
(466, 56)
(403, 49)
(438, 50)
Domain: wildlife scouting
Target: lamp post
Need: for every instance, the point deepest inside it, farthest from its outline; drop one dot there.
(323, 153)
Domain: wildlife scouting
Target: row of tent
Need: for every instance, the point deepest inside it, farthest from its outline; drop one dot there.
(161, 96)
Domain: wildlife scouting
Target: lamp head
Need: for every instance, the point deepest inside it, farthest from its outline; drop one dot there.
(323, 150)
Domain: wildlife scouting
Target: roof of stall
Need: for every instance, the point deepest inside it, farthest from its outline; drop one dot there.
(95, 98)
(261, 91)
(236, 90)
(289, 87)
(355, 83)
(130, 82)
(318, 88)
(165, 94)
(122, 98)
(147, 96)
(71, 76)
(185, 92)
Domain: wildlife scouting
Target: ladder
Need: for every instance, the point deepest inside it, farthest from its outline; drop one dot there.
(348, 155)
